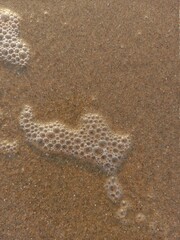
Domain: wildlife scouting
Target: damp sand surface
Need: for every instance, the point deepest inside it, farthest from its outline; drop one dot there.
(116, 58)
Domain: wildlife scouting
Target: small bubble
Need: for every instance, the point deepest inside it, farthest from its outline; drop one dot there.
(102, 143)
(56, 130)
(121, 213)
(50, 135)
(140, 217)
(98, 150)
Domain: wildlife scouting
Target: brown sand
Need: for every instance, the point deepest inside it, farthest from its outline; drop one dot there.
(118, 58)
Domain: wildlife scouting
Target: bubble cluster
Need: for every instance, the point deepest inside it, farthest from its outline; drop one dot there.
(92, 141)
(8, 147)
(122, 211)
(113, 189)
(12, 49)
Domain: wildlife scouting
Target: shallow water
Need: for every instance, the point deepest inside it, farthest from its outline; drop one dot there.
(118, 59)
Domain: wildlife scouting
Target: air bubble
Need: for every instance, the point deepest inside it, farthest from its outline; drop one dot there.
(140, 218)
(121, 213)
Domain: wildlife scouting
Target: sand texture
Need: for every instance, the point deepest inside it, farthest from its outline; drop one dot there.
(116, 58)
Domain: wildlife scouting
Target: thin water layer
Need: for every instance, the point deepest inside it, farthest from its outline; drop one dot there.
(117, 59)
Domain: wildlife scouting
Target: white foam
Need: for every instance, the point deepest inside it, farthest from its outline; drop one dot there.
(12, 48)
(93, 141)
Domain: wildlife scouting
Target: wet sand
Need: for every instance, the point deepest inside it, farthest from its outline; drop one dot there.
(117, 58)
